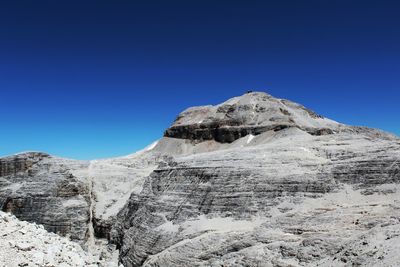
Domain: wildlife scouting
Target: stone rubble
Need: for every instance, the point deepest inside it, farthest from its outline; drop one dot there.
(28, 244)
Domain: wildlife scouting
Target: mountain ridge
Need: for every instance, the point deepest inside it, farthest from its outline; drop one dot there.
(252, 171)
(189, 117)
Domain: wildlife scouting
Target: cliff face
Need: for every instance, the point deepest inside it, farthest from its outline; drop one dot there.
(254, 181)
(252, 113)
(69, 197)
(39, 188)
(283, 196)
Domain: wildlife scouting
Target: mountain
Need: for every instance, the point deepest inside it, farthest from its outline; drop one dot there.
(254, 181)
(252, 113)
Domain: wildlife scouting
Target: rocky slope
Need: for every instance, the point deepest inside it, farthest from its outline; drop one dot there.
(254, 181)
(26, 244)
(76, 199)
(280, 196)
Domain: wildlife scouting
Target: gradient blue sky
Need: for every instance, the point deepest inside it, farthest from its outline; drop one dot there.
(93, 79)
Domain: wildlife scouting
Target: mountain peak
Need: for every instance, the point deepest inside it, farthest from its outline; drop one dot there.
(251, 113)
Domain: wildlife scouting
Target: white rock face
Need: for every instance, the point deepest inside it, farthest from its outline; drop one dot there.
(252, 113)
(254, 181)
(256, 108)
(285, 196)
(39, 188)
(26, 244)
(293, 200)
(113, 181)
(68, 196)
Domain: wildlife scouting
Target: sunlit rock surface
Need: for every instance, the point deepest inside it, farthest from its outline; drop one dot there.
(39, 188)
(254, 181)
(252, 113)
(27, 244)
(69, 197)
(281, 197)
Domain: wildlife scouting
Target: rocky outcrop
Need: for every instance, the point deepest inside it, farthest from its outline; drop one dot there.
(113, 181)
(39, 188)
(253, 113)
(283, 197)
(22, 163)
(254, 181)
(71, 197)
(245, 196)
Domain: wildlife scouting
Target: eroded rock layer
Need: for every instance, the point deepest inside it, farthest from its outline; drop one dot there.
(252, 113)
(282, 197)
(39, 188)
(254, 181)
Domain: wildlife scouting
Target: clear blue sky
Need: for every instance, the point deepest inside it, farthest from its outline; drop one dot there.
(93, 79)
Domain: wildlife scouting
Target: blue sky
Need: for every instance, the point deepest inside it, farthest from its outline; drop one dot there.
(95, 79)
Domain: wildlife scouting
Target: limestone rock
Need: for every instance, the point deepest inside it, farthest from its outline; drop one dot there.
(254, 113)
(283, 196)
(40, 188)
(27, 244)
(70, 197)
(254, 181)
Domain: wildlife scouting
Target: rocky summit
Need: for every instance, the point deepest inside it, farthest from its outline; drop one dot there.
(254, 181)
(253, 113)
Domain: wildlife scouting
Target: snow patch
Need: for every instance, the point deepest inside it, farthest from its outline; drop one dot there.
(151, 146)
(250, 138)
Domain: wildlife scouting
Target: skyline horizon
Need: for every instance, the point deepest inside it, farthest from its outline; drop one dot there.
(161, 134)
(96, 79)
